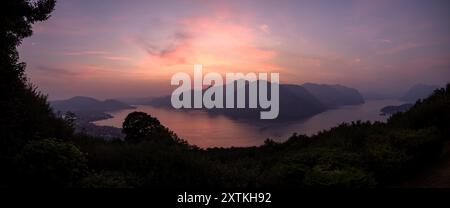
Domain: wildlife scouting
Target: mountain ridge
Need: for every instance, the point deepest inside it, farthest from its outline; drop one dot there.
(88, 104)
(418, 91)
(296, 101)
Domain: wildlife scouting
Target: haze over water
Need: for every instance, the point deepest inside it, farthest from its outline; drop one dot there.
(205, 130)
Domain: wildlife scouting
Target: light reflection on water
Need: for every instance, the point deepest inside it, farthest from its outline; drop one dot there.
(205, 130)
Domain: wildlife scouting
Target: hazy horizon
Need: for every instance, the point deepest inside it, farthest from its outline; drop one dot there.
(370, 95)
(132, 48)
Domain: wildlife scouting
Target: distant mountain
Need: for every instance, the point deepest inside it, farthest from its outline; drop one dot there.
(88, 104)
(296, 101)
(163, 101)
(391, 109)
(333, 96)
(373, 95)
(87, 110)
(419, 91)
(135, 100)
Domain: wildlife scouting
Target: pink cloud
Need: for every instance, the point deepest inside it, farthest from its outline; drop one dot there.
(117, 58)
(264, 28)
(218, 42)
(401, 48)
(85, 53)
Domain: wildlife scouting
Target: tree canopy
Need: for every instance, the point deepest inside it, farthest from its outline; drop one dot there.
(139, 125)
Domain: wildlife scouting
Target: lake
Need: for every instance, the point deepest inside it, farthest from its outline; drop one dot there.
(205, 130)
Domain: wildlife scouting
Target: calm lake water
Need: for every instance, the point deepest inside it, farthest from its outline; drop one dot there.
(204, 130)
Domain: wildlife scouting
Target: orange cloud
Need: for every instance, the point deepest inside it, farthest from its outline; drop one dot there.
(117, 58)
(220, 44)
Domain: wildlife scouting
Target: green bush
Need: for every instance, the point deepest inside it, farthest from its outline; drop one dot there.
(109, 179)
(50, 162)
(323, 176)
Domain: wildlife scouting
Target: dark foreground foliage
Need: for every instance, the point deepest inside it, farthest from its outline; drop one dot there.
(356, 155)
(38, 148)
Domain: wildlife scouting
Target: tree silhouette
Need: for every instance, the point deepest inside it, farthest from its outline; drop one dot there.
(70, 119)
(139, 125)
(17, 17)
(26, 114)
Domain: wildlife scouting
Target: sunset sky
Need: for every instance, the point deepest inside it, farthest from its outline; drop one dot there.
(108, 49)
